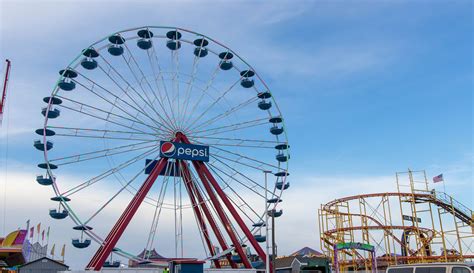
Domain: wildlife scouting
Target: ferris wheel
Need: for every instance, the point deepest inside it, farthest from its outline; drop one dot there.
(175, 123)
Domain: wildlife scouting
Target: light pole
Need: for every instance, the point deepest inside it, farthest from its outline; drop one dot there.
(267, 257)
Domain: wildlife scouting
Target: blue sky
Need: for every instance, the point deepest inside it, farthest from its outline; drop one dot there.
(367, 88)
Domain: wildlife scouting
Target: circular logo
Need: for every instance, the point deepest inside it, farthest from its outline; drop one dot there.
(168, 149)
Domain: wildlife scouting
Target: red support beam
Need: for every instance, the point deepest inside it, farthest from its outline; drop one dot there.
(104, 251)
(186, 175)
(202, 169)
(212, 222)
(233, 211)
(220, 212)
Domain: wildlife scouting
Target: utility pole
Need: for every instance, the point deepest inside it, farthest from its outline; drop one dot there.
(267, 247)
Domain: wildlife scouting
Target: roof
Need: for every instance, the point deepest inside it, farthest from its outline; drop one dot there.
(286, 262)
(306, 251)
(153, 255)
(44, 258)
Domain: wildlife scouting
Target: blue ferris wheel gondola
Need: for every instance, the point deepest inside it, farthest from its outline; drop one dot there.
(282, 186)
(60, 199)
(275, 213)
(47, 132)
(173, 43)
(260, 238)
(200, 50)
(58, 215)
(45, 181)
(247, 82)
(66, 82)
(52, 113)
(40, 145)
(77, 243)
(226, 63)
(45, 166)
(275, 130)
(274, 200)
(88, 62)
(54, 100)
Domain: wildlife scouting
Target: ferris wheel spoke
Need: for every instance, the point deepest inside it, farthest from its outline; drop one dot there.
(107, 173)
(155, 80)
(247, 157)
(130, 87)
(256, 184)
(189, 88)
(232, 177)
(99, 151)
(139, 82)
(104, 132)
(118, 192)
(239, 145)
(235, 125)
(105, 137)
(258, 167)
(175, 80)
(214, 103)
(116, 99)
(62, 162)
(155, 75)
(203, 93)
(238, 129)
(225, 220)
(162, 81)
(239, 206)
(83, 106)
(239, 140)
(102, 118)
(158, 208)
(225, 114)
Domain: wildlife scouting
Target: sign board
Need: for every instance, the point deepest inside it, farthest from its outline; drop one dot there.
(353, 245)
(410, 218)
(171, 169)
(184, 151)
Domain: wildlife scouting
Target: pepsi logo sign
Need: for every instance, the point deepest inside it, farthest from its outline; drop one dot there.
(168, 149)
(184, 151)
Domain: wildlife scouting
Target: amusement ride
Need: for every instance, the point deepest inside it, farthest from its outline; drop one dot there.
(170, 120)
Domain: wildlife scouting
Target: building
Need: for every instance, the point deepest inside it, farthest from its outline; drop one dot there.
(43, 265)
(156, 260)
(305, 260)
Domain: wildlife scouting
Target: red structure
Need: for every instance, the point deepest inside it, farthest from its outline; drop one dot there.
(4, 90)
(212, 188)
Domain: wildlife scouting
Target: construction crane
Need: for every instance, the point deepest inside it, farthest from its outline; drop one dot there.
(4, 90)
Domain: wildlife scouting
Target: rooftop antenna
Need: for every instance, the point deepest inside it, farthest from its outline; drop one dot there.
(4, 89)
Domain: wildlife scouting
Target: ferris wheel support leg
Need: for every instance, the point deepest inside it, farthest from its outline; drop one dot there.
(233, 211)
(222, 215)
(106, 248)
(208, 215)
(186, 175)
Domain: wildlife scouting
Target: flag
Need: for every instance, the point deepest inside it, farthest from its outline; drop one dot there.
(32, 231)
(52, 250)
(47, 233)
(42, 235)
(63, 251)
(38, 228)
(438, 178)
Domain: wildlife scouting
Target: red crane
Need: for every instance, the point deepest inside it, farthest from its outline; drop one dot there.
(4, 92)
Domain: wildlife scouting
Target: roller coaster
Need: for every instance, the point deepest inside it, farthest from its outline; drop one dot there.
(412, 225)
